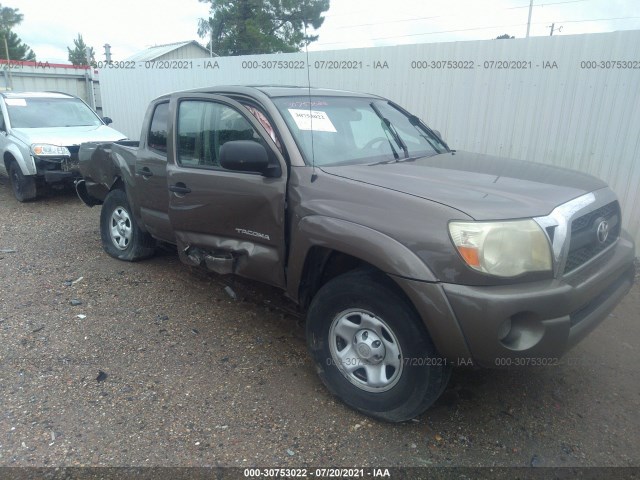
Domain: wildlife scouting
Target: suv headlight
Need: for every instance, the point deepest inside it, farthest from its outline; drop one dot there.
(47, 150)
(504, 249)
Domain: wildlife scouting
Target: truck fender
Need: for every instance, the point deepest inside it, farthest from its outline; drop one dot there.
(124, 173)
(364, 243)
(122, 170)
(27, 165)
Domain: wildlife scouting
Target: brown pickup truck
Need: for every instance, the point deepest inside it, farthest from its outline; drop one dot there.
(408, 257)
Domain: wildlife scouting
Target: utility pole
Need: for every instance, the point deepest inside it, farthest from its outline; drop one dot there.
(552, 28)
(107, 52)
(529, 21)
(6, 48)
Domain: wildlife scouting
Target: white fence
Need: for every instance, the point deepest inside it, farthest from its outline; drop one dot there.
(42, 76)
(571, 101)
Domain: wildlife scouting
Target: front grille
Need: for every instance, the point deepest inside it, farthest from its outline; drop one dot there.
(584, 235)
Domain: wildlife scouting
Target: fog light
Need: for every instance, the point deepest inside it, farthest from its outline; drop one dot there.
(524, 332)
(504, 329)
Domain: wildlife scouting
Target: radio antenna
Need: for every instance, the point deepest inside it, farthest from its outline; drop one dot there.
(313, 150)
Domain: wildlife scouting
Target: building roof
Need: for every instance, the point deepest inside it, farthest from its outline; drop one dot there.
(157, 51)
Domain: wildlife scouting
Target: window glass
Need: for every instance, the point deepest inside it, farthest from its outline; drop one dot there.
(264, 121)
(43, 112)
(355, 130)
(203, 127)
(157, 138)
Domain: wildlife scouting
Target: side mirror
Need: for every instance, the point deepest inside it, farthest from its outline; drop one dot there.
(437, 132)
(107, 120)
(244, 156)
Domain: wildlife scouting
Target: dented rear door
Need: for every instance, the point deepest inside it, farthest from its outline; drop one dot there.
(231, 222)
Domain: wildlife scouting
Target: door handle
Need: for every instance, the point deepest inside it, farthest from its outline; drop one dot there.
(179, 188)
(145, 172)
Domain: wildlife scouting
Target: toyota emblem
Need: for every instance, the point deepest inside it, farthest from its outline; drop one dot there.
(602, 231)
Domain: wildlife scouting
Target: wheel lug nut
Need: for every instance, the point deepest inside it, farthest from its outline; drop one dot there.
(376, 344)
(365, 335)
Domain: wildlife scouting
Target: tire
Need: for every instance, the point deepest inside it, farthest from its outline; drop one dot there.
(121, 236)
(397, 374)
(24, 187)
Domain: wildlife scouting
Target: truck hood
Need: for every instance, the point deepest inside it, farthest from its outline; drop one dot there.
(482, 186)
(67, 136)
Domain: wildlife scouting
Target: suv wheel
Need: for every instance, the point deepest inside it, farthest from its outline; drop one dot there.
(24, 187)
(371, 348)
(122, 238)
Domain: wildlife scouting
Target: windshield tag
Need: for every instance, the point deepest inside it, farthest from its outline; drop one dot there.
(16, 102)
(305, 119)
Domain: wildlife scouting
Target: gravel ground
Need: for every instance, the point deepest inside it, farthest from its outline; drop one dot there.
(107, 363)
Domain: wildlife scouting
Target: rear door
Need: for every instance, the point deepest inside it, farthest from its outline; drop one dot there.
(151, 174)
(218, 212)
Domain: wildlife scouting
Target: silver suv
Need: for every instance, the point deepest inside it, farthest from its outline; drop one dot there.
(40, 135)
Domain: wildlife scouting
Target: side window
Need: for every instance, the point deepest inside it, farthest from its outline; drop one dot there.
(157, 136)
(203, 127)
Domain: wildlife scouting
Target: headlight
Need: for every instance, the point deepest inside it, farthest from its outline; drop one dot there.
(46, 150)
(505, 249)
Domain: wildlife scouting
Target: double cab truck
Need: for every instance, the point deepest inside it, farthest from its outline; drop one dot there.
(407, 257)
(40, 135)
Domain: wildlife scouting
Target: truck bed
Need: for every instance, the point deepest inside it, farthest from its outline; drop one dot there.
(101, 164)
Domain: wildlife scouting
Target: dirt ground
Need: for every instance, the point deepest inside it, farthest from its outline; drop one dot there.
(107, 363)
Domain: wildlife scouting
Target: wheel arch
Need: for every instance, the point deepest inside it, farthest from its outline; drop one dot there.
(119, 183)
(326, 247)
(13, 154)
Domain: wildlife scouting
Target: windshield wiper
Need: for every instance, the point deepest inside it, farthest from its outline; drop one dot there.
(391, 129)
(397, 160)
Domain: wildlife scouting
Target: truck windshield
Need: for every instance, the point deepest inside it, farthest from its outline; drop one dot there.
(350, 130)
(49, 112)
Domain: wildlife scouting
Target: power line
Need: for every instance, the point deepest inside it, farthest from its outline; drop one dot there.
(387, 22)
(480, 28)
(393, 21)
(545, 4)
(430, 33)
(593, 20)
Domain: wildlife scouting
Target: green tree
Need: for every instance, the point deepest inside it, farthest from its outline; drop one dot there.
(78, 55)
(17, 49)
(9, 18)
(245, 27)
(504, 37)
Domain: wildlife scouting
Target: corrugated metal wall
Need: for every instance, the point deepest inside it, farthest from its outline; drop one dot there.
(554, 109)
(42, 77)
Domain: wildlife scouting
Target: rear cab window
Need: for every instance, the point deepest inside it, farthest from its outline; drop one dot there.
(157, 134)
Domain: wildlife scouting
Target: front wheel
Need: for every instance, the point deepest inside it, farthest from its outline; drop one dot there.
(122, 238)
(24, 186)
(371, 348)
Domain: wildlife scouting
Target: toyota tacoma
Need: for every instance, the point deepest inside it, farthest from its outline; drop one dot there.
(408, 257)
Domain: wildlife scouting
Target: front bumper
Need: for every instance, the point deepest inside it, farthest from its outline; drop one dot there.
(532, 323)
(57, 176)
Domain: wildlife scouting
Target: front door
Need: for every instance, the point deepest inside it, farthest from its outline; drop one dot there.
(218, 213)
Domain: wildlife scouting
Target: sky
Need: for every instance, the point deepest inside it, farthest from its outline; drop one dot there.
(50, 26)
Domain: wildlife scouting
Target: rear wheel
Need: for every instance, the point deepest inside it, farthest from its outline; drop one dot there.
(122, 238)
(371, 348)
(24, 187)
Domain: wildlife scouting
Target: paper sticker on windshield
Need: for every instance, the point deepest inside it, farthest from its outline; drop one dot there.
(306, 119)
(16, 102)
